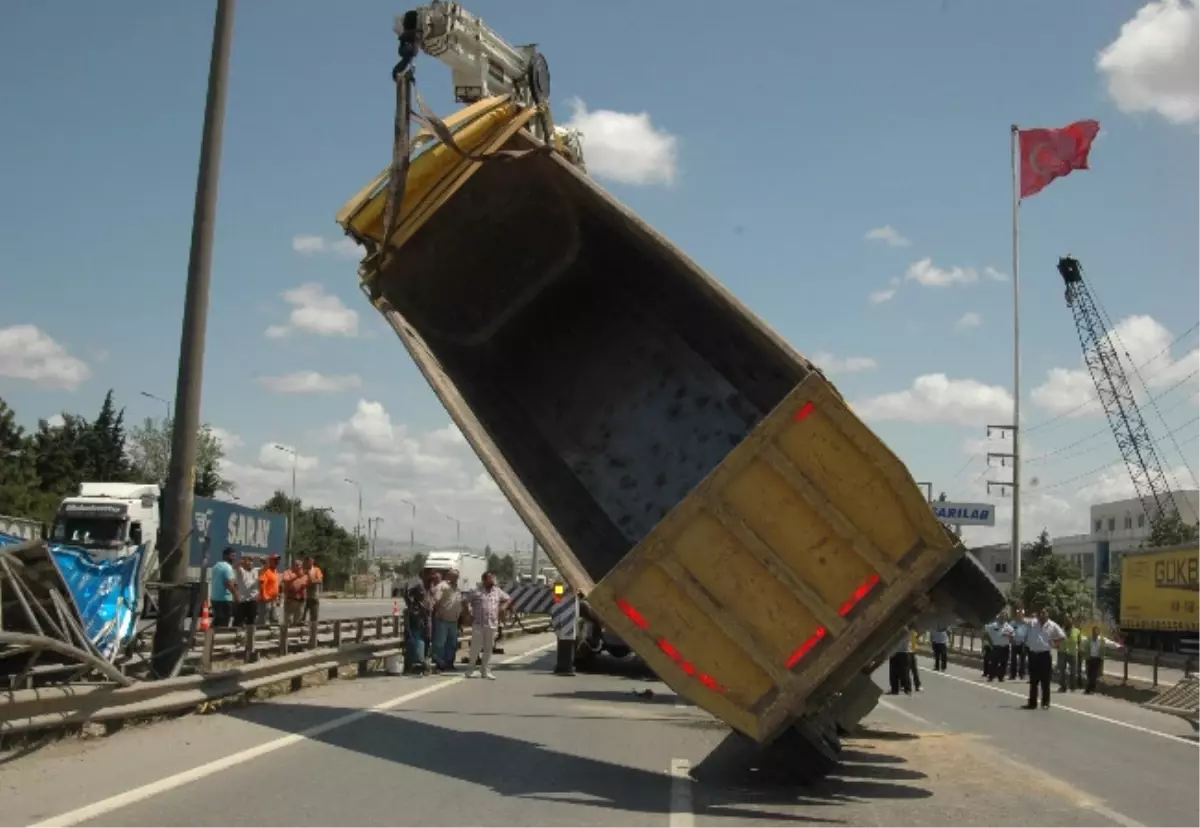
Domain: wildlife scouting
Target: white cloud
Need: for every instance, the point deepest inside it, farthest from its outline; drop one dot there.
(228, 440)
(970, 319)
(995, 275)
(1070, 392)
(888, 235)
(924, 272)
(880, 296)
(308, 245)
(317, 312)
(831, 364)
(1152, 65)
(934, 398)
(310, 382)
(56, 421)
(625, 147)
(28, 353)
(281, 456)
(437, 470)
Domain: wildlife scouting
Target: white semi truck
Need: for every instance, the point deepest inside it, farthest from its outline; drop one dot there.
(112, 520)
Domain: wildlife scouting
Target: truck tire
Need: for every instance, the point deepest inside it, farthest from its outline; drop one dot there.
(585, 657)
(801, 755)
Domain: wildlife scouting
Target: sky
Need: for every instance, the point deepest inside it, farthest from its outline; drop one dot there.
(844, 168)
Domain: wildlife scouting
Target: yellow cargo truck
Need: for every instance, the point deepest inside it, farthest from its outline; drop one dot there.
(710, 492)
(1159, 594)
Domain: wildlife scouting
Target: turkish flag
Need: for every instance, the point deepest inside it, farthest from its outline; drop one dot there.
(1047, 154)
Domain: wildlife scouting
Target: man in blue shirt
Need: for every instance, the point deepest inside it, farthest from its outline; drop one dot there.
(223, 590)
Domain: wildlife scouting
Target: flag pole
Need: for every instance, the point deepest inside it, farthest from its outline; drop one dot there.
(1016, 427)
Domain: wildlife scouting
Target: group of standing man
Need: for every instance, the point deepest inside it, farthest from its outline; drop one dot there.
(436, 609)
(246, 591)
(1029, 645)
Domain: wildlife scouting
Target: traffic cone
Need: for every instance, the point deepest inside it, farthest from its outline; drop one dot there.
(205, 620)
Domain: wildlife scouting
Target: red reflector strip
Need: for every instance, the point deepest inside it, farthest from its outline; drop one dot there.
(669, 649)
(859, 594)
(632, 614)
(805, 648)
(815, 639)
(804, 411)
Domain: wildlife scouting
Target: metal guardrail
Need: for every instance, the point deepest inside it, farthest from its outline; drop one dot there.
(1182, 700)
(56, 706)
(964, 641)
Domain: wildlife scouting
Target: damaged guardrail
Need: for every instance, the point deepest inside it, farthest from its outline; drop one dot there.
(57, 706)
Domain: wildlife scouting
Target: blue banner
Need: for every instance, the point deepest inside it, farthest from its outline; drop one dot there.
(106, 593)
(249, 531)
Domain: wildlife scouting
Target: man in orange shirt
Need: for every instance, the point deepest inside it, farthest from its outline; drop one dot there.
(268, 592)
(312, 593)
(295, 587)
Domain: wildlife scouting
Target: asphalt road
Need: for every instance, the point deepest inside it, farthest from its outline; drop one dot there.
(535, 749)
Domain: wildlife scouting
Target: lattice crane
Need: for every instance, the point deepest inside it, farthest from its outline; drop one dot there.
(1116, 395)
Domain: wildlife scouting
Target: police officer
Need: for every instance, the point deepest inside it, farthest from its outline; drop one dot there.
(999, 634)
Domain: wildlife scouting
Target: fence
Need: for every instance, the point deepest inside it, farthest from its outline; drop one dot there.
(325, 646)
(971, 641)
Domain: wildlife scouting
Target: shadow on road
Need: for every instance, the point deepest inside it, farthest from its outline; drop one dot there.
(634, 696)
(513, 767)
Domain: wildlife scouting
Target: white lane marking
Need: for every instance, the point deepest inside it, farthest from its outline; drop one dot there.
(1083, 802)
(152, 789)
(682, 815)
(1070, 709)
(908, 714)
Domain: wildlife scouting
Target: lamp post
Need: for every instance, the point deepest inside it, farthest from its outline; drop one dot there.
(292, 505)
(358, 521)
(457, 530)
(412, 528)
(165, 402)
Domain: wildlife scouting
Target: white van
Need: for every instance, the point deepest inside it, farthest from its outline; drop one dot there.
(470, 566)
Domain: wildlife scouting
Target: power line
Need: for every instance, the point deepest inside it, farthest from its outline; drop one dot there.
(1110, 463)
(1092, 400)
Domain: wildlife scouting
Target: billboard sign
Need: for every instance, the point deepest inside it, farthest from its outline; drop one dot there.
(249, 531)
(965, 514)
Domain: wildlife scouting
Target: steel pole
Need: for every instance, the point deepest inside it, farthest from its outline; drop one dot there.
(1016, 426)
(177, 510)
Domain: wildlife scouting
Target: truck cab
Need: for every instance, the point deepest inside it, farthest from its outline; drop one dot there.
(111, 520)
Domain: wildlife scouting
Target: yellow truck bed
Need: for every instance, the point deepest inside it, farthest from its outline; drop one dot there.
(698, 479)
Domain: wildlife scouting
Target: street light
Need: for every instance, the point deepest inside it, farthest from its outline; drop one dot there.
(412, 527)
(358, 523)
(167, 403)
(457, 529)
(292, 506)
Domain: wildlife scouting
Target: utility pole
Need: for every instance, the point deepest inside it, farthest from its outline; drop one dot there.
(177, 510)
(928, 487)
(1008, 459)
(533, 562)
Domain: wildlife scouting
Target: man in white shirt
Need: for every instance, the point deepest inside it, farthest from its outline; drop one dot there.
(1020, 653)
(999, 634)
(1093, 651)
(1041, 637)
(939, 640)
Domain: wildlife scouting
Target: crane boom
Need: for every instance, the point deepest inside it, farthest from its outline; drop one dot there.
(1116, 395)
(484, 65)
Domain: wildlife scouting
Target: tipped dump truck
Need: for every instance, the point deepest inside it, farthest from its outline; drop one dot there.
(712, 494)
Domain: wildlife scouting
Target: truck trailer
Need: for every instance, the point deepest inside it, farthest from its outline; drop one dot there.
(719, 504)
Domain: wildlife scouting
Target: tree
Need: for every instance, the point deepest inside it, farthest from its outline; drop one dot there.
(105, 441)
(1108, 595)
(149, 450)
(1039, 549)
(1169, 530)
(1054, 583)
(18, 475)
(316, 534)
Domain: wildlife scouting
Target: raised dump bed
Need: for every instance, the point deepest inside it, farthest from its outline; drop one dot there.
(707, 488)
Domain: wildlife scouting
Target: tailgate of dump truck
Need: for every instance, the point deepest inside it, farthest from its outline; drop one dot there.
(779, 566)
